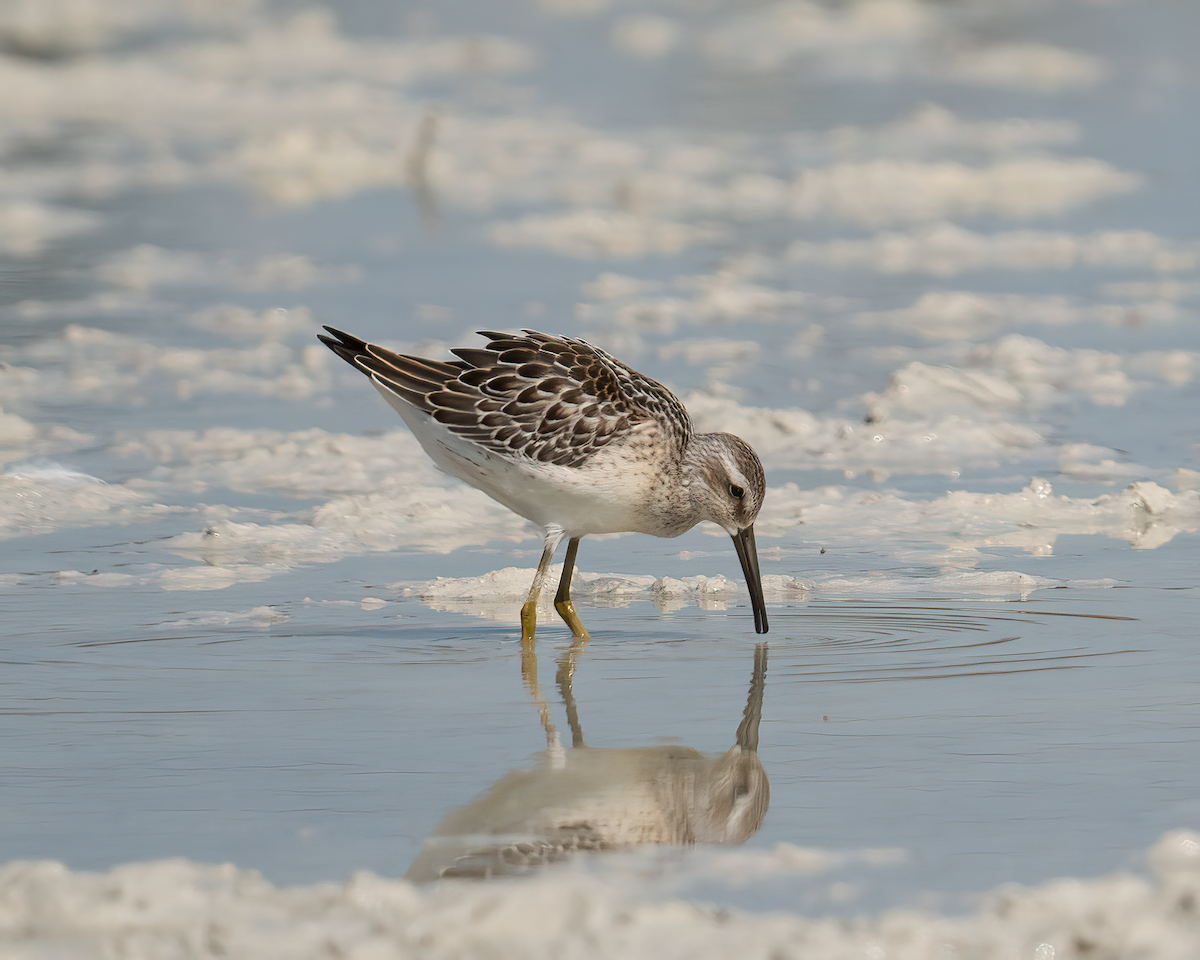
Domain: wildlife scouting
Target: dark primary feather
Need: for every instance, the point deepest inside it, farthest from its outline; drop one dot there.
(554, 399)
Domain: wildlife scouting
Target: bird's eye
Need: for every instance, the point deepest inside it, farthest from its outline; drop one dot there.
(736, 492)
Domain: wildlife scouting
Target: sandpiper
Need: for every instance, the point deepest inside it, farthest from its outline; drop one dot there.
(567, 436)
(605, 798)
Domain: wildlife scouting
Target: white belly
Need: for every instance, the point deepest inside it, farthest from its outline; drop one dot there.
(599, 498)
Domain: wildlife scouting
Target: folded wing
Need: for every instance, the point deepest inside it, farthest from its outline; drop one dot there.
(553, 399)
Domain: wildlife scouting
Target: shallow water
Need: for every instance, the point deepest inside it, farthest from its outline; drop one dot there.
(990, 741)
(936, 264)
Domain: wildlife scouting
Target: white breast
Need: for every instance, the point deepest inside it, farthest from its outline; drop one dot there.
(602, 497)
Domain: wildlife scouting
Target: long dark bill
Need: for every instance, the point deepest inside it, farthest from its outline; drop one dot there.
(743, 542)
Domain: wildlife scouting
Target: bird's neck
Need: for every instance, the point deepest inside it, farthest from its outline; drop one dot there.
(677, 497)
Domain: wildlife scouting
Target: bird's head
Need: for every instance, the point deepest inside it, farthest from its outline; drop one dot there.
(729, 487)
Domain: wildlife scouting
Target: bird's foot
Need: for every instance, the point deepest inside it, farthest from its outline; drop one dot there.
(528, 621)
(528, 649)
(566, 610)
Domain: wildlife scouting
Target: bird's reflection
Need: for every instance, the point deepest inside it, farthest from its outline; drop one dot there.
(589, 799)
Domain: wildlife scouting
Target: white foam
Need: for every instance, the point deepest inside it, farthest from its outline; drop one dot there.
(496, 595)
(945, 249)
(1086, 461)
(512, 584)
(198, 578)
(383, 490)
(217, 577)
(50, 499)
(957, 529)
(590, 234)
(429, 519)
(741, 866)
(1028, 66)
(574, 8)
(961, 525)
(300, 111)
(384, 494)
(85, 363)
(1042, 372)
(302, 463)
(881, 40)
(241, 323)
(1184, 479)
(731, 294)
(749, 289)
(957, 585)
(666, 200)
(146, 266)
(724, 359)
(932, 130)
(51, 28)
(886, 191)
(944, 442)
(161, 907)
(646, 35)
(103, 303)
(262, 617)
(49, 471)
(28, 227)
(876, 33)
(1167, 289)
(21, 439)
(15, 430)
(287, 104)
(437, 519)
(967, 315)
(308, 45)
(148, 573)
(228, 543)
(1022, 373)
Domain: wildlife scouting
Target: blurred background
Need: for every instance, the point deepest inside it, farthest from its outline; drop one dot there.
(936, 261)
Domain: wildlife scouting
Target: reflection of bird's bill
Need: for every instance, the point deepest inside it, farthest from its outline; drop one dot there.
(743, 542)
(747, 731)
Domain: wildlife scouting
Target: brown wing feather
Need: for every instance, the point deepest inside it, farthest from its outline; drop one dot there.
(553, 399)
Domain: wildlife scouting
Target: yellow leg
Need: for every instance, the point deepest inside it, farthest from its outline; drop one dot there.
(529, 671)
(562, 600)
(529, 608)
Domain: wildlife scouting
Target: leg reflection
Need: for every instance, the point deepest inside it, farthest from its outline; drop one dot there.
(565, 678)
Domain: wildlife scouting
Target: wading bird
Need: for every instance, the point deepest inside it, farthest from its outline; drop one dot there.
(567, 436)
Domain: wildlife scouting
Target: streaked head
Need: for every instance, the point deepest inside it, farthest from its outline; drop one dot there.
(732, 489)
